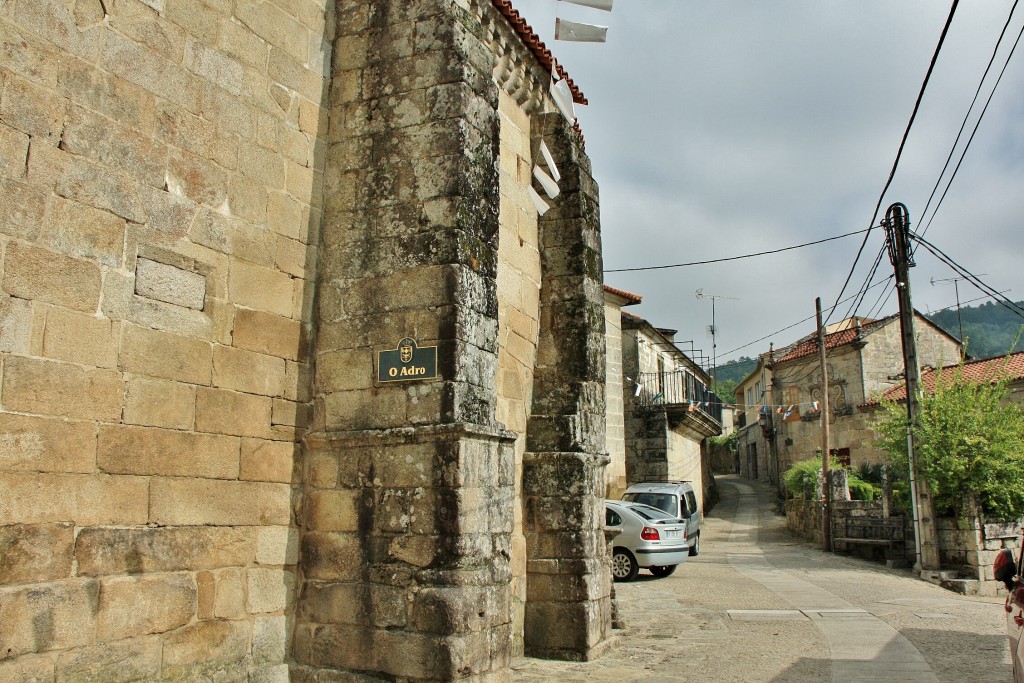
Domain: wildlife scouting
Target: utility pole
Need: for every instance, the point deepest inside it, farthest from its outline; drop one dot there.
(897, 234)
(826, 470)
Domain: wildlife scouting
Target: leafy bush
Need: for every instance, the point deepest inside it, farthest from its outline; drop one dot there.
(969, 445)
(870, 473)
(802, 478)
(726, 441)
(862, 490)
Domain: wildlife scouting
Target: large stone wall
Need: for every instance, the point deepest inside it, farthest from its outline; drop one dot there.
(161, 168)
(568, 611)
(202, 202)
(519, 278)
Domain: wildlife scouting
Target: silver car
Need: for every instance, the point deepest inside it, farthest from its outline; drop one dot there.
(674, 497)
(648, 538)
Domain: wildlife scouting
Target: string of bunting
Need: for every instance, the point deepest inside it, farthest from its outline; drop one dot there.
(547, 175)
(578, 31)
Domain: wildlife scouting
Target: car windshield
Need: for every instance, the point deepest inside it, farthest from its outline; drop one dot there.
(662, 501)
(650, 513)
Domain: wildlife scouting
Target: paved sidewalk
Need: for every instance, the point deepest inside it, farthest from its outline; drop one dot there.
(759, 605)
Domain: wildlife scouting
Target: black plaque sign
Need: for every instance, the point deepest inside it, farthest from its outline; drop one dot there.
(406, 363)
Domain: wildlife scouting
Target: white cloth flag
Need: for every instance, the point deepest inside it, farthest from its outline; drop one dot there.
(606, 5)
(562, 96)
(538, 201)
(549, 185)
(549, 162)
(581, 33)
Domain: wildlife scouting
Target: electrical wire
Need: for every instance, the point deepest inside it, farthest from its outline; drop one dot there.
(963, 125)
(885, 294)
(899, 153)
(855, 306)
(970, 277)
(736, 258)
(786, 328)
(973, 133)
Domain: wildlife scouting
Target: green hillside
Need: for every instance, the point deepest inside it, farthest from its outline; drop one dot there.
(989, 328)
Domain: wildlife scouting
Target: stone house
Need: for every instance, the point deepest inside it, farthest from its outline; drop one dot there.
(864, 359)
(755, 458)
(669, 408)
(222, 225)
(616, 481)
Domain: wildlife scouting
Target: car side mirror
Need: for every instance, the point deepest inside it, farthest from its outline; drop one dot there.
(1004, 568)
(686, 515)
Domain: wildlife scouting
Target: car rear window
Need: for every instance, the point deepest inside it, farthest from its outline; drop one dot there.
(650, 513)
(662, 501)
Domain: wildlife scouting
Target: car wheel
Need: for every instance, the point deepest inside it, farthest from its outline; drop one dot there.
(624, 566)
(695, 548)
(663, 571)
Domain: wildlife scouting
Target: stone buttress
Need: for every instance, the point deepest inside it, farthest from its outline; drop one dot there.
(410, 500)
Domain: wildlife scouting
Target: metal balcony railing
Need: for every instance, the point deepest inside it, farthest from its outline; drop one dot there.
(678, 388)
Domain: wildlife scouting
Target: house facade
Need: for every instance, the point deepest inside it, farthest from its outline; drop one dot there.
(297, 383)
(616, 481)
(755, 454)
(863, 359)
(669, 407)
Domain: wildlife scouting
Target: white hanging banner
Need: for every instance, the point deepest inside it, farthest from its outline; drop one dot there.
(549, 162)
(562, 96)
(538, 201)
(606, 5)
(549, 185)
(580, 33)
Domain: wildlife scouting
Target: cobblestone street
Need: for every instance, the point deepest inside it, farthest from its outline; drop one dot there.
(760, 605)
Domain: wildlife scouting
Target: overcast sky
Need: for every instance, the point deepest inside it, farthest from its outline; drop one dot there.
(723, 127)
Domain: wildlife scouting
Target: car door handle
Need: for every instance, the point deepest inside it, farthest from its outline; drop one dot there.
(1008, 608)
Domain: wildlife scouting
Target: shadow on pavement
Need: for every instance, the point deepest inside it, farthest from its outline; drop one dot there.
(954, 656)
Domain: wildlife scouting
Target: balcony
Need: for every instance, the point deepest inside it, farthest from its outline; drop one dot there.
(686, 400)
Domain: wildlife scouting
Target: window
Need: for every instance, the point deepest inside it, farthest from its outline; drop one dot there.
(691, 501)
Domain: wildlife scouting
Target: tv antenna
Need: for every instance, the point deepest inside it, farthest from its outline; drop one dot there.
(713, 329)
(956, 289)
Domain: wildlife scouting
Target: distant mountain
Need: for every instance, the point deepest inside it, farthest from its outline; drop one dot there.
(735, 370)
(989, 328)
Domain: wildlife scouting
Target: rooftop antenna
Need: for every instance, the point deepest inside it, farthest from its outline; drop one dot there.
(956, 289)
(713, 329)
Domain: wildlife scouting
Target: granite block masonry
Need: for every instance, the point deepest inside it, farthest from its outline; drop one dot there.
(213, 219)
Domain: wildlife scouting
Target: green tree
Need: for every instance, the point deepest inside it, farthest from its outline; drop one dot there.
(725, 389)
(969, 445)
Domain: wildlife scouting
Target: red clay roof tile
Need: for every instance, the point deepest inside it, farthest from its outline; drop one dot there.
(633, 298)
(832, 341)
(537, 47)
(984, 370)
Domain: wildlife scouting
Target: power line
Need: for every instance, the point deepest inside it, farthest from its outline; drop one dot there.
(855, 306)
(970, 277)
(789, 327)
(736, 258)
(974, 132)
(977, 298)
(899, 153)
(963, 125)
